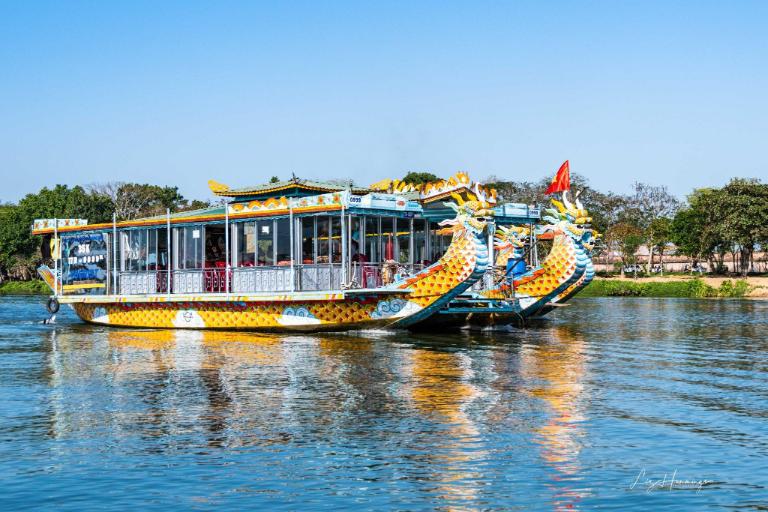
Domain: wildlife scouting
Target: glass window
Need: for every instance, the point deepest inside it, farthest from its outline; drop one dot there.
(387, 239)
(403, 240)
(246, 244)
(420, 242)
(215, 245)
(356, 246)
(308, 240)
(152, 249)
(84, 261)
(323, 239)
(265, 242)
(134, 245)
(438, 243)
(161, 254)
(336, 239)
(124, 250)
(372, 238)
(190, 247)
(283, 235)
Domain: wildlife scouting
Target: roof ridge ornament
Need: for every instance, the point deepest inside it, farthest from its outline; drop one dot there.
(458, 183)
(216, 187)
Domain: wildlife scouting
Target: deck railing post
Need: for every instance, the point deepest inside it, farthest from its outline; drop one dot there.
(293, 245)
(169, 266)
(226, 248)
(114, 254)
(343, 243)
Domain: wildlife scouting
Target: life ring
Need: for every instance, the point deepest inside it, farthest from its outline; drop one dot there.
(52, 306)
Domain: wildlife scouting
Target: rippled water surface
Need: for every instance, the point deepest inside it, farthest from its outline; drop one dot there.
(588, 410)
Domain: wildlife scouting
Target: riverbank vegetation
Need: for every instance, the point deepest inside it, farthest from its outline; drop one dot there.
(20, 251)
(710, 224)
(33, 287)
(692, 288)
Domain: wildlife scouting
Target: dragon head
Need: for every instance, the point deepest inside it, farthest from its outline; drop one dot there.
(509, 238)
(589, 239)
(471, 216)
(567, 218)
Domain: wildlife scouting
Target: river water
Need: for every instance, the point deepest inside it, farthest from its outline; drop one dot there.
(631, 404)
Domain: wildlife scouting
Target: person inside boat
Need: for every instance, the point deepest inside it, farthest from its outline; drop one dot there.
(516, 267)
(357, 256)
(215, 250)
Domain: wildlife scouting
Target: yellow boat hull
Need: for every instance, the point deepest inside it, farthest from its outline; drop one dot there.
(333, 313)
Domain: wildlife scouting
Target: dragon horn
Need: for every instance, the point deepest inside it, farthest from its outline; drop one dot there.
(568, 204)
(451, 205)
(578, 202)
(559, 205)
(458, 198)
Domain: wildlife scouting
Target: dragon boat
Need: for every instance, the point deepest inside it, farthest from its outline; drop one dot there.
(516, 295)
(287, 256)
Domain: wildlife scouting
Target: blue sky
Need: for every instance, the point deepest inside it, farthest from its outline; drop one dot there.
(180, 92)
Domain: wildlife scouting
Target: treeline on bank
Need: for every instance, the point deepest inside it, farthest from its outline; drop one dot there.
(708, 225)
(20, 250)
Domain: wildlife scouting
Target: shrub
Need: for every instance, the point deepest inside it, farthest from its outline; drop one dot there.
(730, 289)
(699, 288)
(35, 287)
(617, 288)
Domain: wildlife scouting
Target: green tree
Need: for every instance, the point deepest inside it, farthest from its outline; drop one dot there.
(695, 230)
(661, 236)
(741, 214)
(650, 203)
(624, 239)
(135, 200)
(420, 178)
(19, 250)
(604, 208)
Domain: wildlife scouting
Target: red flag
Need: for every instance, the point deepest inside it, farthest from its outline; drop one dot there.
(561, 181)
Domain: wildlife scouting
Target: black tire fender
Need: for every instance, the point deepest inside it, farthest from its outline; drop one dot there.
(52, 306)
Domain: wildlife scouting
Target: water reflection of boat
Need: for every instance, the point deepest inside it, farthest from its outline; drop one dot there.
(557, 368)
(441, 391)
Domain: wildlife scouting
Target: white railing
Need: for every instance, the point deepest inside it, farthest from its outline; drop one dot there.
(142, 282)
(192, 281)
(322, 276)
(244, 280)
(261, 279)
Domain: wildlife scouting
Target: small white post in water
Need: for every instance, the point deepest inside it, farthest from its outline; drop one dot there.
(57, 248)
